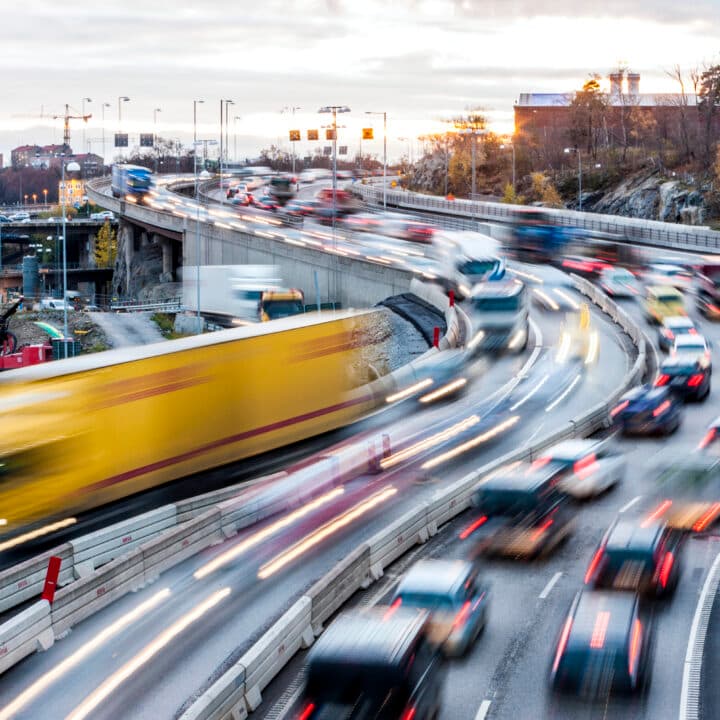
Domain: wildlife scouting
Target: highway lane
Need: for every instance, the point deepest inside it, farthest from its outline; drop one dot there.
(506, 674)
(158, 687)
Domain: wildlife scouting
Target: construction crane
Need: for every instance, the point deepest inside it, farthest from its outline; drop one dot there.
(67, 118)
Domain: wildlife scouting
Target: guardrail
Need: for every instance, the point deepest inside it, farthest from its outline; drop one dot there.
(230, 696)
(167, 306)
(650, 232)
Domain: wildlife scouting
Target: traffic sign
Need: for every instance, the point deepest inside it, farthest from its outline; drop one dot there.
(367, 134)
(313, 135)
(294, 135)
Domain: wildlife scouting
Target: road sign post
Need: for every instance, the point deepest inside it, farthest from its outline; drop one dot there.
(51, 578)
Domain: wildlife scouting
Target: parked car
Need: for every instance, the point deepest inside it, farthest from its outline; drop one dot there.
(19, 217)
(103, 215)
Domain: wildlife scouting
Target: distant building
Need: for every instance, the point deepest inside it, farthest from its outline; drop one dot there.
(43, 157)
(548, 117)
(23, 155)
(73, 192)
(91, 165)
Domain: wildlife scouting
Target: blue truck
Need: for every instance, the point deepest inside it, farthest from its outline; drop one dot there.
(130, 180)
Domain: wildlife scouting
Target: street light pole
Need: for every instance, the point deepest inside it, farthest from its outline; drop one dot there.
(223, 148)
(71, 167)
(235, 119)
(155, 147)
(195, 104)
(84, 100)
(384, 114)
(292, 144)
(122, 99)
(103, 106)
(334, 109)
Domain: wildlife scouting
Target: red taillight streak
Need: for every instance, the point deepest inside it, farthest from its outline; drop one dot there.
(308, 710)
(592, 567)
(707, 518)
(462, 616)
(659, 511)
(692, 331)
(584, 463)
(662, 380)
(709, 437)
(397, 602)
(619, 408)
(409, 714)
(695, 380)
(661, 408)
(666, 567)
(540, 462)
(470, 529)
(563, 643)
(714, 308)
(537, 533)
(597, 639)
(635, 647)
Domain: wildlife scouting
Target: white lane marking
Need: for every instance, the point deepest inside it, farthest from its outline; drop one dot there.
(550, 585)
(690, 691)
(483, 710)
(558, 400)
(530, 394)
(627, 506)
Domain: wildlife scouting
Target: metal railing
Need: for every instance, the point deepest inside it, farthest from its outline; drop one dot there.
(174, 305)
(650, 232)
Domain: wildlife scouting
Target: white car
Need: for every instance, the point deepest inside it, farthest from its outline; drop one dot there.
(19, 217)
(672, 275)
(55, 304)
(695, 346)
(592, 466)
(619, 282)
(104, 215)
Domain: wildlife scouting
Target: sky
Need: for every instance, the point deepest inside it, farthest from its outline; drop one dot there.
(421, 61)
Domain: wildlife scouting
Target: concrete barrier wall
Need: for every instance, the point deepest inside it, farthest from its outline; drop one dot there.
(93, 550)
(26, 580)
(24, 634)
(88, 595)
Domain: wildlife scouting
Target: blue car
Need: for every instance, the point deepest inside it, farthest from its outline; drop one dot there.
(647, 410)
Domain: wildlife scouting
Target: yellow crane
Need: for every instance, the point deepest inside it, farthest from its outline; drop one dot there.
(67, 117)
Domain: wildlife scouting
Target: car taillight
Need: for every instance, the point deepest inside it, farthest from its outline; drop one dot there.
(462, 615)
(658, 512)
(692, 331)
(470, 529)
(538, 533)
(562, 644)
(661, 408)
(592, 567)
(668, 335)
(585, 466)
(540, 462)
(635, 640)
(409, 714)
(617, 410)
(661, 380)
(709, 437)
(307, 712)
(396, 603)
(665, 568)
(695, 380)
(707, 518)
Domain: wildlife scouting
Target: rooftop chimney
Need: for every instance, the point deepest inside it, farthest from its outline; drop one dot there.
(616, 79)
(633, 84)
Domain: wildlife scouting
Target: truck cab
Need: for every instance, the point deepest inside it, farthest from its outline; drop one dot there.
(275, 304)
(500, 315)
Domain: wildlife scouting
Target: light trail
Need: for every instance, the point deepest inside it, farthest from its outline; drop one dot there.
(149, 651)
(408, 391)
(470, 444)
(563, 395)
(570, 301)
(258, 537)
(436, 439)
(444, 390)
(39, 686)
(549, 302)
(564, 349)
(521, 402)
(593, 347)
(33, 534)
(325, 531)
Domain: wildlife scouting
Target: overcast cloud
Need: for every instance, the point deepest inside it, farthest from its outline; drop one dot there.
(421, 60)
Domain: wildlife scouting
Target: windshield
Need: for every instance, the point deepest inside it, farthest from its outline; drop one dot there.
(429, 601)
(506, 502)
(282, 308)
(497, 304)
(477, 267)
(669, 299)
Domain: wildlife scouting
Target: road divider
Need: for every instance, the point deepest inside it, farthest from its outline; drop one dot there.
(29, 631)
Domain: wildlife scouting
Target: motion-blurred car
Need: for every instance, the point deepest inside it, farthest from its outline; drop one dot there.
(646, 410)
(711, 440)
(604, 646)
(619, 282)
(693, 346)
(55, 304)
(500, 314)
(379, 662)
(672, 328)
(591, 466)
(461, 272)
(585, 266)
(521, 512)
(19, 217)
(301, 208)
(4, 219)
(578, 338)
(686, 376)
(687, 491)
(364, 222)
(708, 290)
(661, 302)
(408, 229)
(640, 556)
(243, 199)
(265, 202)
(454, 595)
(670, 275)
